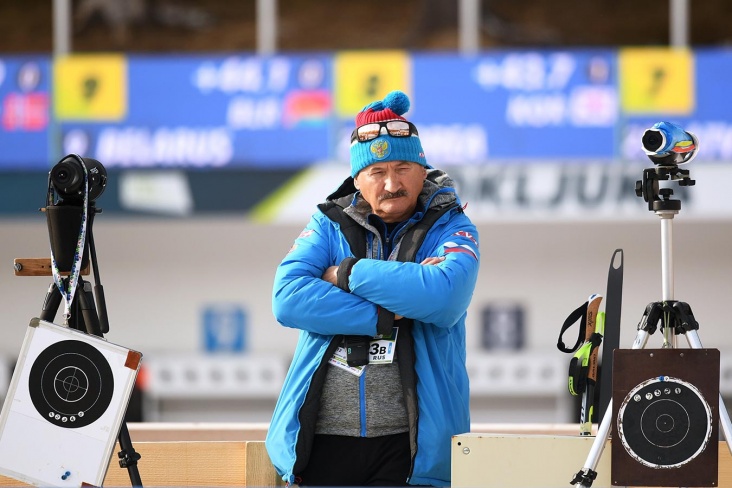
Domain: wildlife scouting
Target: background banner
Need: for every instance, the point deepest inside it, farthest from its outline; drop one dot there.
(25, 94)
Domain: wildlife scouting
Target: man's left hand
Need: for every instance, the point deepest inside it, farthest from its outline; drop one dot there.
(331, 275)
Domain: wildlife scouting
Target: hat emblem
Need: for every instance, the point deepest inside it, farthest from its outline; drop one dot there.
(380, 148)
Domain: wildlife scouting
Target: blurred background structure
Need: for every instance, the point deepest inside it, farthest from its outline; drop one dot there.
(173, 26)
(217, 155)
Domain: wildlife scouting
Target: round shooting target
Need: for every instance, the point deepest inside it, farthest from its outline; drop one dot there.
(664, 422)
(71, 384)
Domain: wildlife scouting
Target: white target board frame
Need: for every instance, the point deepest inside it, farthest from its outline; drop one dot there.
(65, 406)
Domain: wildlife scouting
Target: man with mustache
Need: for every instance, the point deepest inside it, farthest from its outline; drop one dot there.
(378, 283)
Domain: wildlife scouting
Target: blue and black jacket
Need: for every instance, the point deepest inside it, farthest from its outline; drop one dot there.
(434, 299)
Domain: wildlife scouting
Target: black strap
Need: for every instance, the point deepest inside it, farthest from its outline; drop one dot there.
(579, 313)
(579, 368)
(354, 233)
(413, 239)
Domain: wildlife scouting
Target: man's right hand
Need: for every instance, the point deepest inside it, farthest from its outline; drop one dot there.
(433, 260)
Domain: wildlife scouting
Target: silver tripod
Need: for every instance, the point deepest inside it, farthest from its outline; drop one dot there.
(661, 204)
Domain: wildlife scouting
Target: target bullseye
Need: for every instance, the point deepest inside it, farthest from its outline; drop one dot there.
(71, 384)
(65, 406)
(664, 422)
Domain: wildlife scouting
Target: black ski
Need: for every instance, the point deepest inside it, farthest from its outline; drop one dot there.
(611, 340)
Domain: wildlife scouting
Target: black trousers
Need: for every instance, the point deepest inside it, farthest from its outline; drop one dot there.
(357, 461)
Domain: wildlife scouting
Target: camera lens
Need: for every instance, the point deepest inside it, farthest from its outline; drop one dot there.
(653, 140)
(62, 177)
(67, 178)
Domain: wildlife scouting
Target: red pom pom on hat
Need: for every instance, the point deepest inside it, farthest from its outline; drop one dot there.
(392, 107)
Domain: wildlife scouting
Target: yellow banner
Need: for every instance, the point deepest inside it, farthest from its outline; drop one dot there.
(362, 77)
(657, 81)
(90, 87)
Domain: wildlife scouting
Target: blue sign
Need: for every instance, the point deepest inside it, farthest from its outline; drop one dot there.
(25, 112)
(236, 111)
(224, 328)
(212, 112)
(710, 118)
(516, 105)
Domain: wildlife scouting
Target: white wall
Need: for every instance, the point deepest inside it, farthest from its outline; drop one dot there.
(158, 273)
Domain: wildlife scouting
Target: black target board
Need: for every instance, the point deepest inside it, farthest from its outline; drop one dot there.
(665, 417)
(71, 384)
(65, 406)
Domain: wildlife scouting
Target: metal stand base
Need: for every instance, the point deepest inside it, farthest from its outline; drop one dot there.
(587, 474)
(679, 321)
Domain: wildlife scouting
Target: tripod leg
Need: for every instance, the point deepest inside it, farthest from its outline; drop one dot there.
(128, 457)
(641, 338)
(88, 311)
(725, 422)
(695, 343)
(51, 303)
(588, 474)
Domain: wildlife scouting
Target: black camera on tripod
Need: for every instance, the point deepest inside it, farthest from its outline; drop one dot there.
(74, 184)
(67, 178)
(668, 146)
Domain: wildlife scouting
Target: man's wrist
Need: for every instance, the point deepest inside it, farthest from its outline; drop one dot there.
(384, 322)
(344, 272)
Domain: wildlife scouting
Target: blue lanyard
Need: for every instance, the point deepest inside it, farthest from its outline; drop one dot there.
(68, 292)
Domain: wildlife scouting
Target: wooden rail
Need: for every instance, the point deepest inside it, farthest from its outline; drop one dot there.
(193, 463)
(233, 454)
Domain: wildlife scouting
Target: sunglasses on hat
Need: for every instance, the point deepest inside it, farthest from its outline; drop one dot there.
(395, 128)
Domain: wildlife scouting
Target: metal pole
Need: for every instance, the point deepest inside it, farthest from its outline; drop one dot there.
(667, 265)
(667, 269)
(469, 26)
(679, 23)
(266, 27)
(61, 28)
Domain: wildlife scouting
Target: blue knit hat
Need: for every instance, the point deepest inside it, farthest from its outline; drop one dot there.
(385, 147)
